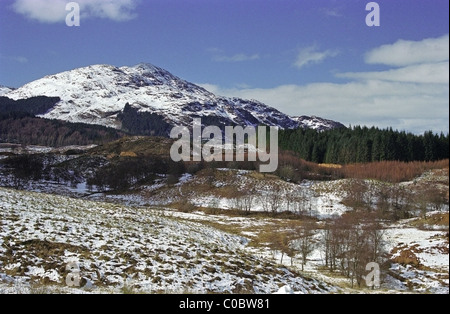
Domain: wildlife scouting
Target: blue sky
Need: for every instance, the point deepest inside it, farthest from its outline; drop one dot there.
(304, 57)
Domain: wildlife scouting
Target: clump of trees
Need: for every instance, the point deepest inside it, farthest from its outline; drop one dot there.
(125, 173)
(143, 123)
(31, 106)
(347, 244)
(28, 130)
(304, 243)
(393, 201)
(24, 168)
(362, 145)
(351, 242)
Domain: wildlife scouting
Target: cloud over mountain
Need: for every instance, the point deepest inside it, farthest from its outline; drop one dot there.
(411, 95)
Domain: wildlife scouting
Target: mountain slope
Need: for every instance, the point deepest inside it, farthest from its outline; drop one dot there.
(98, 94)
(5, 90)
(317, 123)
(116, 246)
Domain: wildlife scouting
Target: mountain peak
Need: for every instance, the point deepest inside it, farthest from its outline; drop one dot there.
(98, 94)
(148, 66)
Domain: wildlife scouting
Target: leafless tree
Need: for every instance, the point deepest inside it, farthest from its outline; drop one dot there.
(264, 201)
(249, 198)
(276, 198)
(351, 242)
(356, 193)
(305, 243)
(237, 203)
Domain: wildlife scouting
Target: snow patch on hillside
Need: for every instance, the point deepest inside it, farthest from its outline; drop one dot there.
(118, 247)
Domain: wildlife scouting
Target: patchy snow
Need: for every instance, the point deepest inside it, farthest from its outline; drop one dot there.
(317, 123)
(301, 198)
(285, 290)
(185, 178)
(430, 245)
(95, 94)
(116, 246)
(34, 149)
(427, 267)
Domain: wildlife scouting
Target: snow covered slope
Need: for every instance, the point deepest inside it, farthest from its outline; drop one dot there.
(4, 90)
(317, 123)
(97, 94)
(117, 247)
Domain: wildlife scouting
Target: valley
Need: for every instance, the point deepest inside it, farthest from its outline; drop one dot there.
(203, 228)
(214, 155)
(95, 199)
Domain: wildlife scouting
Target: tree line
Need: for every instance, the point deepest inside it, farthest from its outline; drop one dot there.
(27, 130)
(363, 144)
(19, 124)
(32, 106)
(143, 123)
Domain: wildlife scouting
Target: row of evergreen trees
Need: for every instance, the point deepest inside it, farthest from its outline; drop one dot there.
(32, 106)
(143, 123)
(362, 144)
(24, 129)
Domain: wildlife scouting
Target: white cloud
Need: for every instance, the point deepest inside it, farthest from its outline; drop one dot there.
(405, 106)
(310, 55)
(412, 96)
(116, 10)
(240, 57)
(404, 52)
(42, 10)
(423, 73)
(53, 11)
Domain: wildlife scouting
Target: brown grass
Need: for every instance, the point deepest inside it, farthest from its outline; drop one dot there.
(407, 257)
(391, 171)
(387, 171)
(41, 249)
(335, 166)
(439, 219)
(128, 154)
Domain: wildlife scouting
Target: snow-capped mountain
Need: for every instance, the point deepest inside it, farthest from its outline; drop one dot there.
(98, 94)
(4, 90)
(317, 123)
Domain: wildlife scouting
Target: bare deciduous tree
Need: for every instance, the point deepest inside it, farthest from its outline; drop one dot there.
(305, 243)
(276, 197)
(351, 242)
(264, 201)
(249, 198)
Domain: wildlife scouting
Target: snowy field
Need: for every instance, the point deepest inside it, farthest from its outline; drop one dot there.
(140, 242)
(427, 253)
(119, 248)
